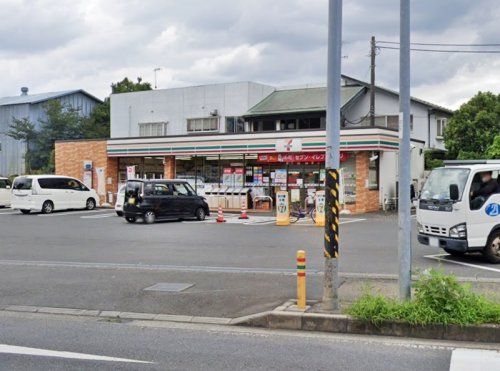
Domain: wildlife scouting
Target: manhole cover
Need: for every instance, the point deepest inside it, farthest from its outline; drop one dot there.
(169, 287)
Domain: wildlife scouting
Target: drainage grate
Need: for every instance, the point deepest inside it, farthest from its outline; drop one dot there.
(169, 287)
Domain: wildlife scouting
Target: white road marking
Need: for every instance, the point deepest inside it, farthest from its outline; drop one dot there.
(73, 212)
(439, 257)
(13, 349)
(98, 216)
(10, 212)
(474, 359)
(266, 220)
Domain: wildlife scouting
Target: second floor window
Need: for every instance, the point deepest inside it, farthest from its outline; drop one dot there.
(235, 124)
(152, 129)
(440, 125)
(203, 124)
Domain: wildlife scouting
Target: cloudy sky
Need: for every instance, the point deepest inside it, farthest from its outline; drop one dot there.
(52, 45)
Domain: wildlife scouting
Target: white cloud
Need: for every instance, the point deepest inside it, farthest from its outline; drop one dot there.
(52, 45)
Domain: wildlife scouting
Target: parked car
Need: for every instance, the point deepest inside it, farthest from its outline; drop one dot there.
(47, 193)
(152, 200)
(120, 200)
(5, 192)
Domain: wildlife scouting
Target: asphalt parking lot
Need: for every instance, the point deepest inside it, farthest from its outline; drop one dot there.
(96, 260)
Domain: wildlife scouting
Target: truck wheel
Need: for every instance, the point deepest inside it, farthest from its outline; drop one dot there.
(454, 253)
(492, 248)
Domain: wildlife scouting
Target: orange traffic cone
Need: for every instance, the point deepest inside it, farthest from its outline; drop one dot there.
(243, 210)
(220, 215)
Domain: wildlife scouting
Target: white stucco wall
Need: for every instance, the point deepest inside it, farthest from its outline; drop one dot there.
(176, 105)
(388, 104)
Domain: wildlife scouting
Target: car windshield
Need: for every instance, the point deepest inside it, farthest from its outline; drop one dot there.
(22, 183)
(437, 186)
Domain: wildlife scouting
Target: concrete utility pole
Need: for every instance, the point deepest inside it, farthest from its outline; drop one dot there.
(332, 161)
(372, 81)
(404, 220)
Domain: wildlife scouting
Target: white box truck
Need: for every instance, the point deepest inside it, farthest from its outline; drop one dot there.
(451, 218)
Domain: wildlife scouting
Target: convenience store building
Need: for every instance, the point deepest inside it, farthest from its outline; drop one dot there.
(249, 135)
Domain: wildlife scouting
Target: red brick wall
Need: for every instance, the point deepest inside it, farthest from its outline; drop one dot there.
(366, 200)
(69, 157)
(169, 167)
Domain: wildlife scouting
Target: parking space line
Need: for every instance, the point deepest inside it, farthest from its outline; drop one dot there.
(10, 212)
(74, 212)
(98, 216)
(439, 257)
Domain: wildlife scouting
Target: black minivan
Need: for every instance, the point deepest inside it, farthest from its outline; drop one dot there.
(152, 200)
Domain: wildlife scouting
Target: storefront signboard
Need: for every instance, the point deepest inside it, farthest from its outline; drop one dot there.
(320, 208)
(297, 157)
(282, 208)
(295, 194)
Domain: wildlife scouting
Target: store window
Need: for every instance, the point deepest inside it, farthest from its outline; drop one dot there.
(235, 125)
(348, 180)
(152, 129)
(204, 124)
(288, 124)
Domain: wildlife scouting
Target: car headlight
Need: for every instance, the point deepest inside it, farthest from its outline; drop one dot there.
(459, 231)
(420, 227)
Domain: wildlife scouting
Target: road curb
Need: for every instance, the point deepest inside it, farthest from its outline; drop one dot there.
(117, 315)
(344, 324)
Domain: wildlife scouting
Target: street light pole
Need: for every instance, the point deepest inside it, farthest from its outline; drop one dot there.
(155, 71)
(332, 160)
(404, 217)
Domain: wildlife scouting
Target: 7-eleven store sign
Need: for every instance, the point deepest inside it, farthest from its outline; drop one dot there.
(289, 145)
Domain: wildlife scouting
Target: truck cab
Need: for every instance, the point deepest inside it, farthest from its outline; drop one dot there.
(451, 218)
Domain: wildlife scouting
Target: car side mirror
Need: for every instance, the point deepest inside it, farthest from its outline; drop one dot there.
(454, 193)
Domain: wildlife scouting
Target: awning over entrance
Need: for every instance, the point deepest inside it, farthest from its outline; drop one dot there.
(372, 139)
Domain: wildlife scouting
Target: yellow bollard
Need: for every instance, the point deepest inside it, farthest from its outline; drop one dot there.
(301, 279)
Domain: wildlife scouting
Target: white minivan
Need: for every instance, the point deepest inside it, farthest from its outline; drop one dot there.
(47, 193)
(4, 192)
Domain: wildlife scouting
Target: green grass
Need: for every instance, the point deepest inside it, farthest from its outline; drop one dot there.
(438, 298)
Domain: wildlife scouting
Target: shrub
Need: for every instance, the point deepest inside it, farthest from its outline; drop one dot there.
(438, 298)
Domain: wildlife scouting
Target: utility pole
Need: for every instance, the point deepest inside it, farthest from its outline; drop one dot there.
(372, 81)
(332, 160)
(404, 221)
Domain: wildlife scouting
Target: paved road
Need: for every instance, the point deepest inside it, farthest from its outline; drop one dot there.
(35, 342)
(94, 260)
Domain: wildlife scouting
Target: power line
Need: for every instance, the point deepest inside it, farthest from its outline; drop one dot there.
(445, 50)
(436, 44)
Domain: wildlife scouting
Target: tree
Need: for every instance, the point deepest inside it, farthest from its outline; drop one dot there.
(61, 122)
(127, 86)
(473, 127)
(97, 124)
(494, 149)
(24, 129)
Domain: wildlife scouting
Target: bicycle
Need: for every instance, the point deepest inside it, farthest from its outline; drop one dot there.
(296, 213)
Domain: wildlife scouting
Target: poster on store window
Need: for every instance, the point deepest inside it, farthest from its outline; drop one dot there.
(280, 176)
(130, 172)
(228, 177)
(238, 176)
(257, 175)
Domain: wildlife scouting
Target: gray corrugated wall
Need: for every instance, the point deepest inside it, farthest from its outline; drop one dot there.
(12, 151)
